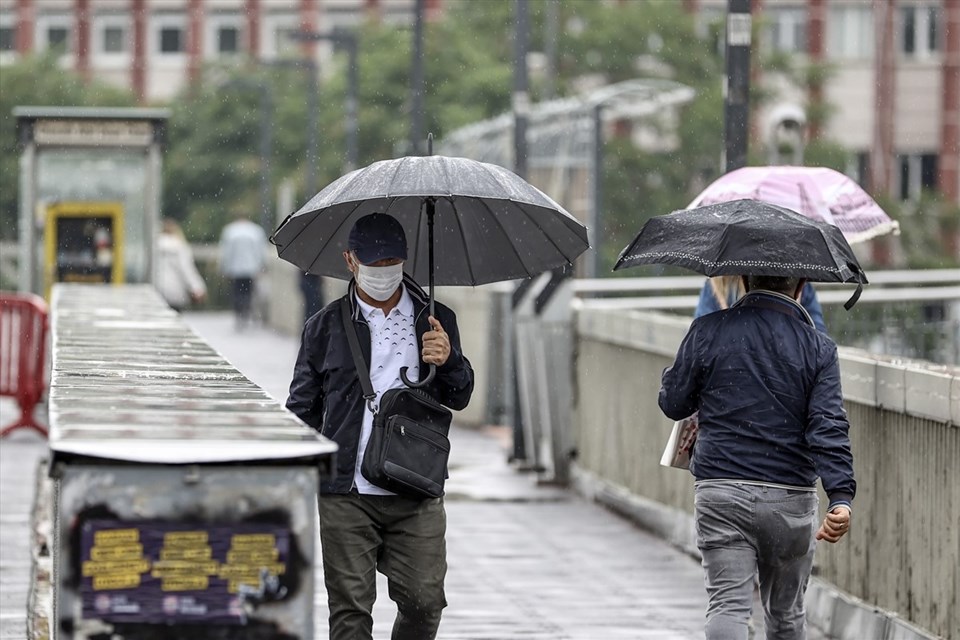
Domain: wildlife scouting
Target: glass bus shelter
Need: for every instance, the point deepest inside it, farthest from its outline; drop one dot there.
(90, 183)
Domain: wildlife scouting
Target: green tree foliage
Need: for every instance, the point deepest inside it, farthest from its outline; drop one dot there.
(38, 82)
(213, 163)
(647, 39)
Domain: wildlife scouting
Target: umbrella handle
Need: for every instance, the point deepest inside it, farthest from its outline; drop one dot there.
(422, 383)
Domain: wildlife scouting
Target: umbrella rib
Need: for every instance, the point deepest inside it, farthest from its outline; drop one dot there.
(354, 176)
(463, 239)
(389, 185)
(327, 242)
(416, 256)
(446, 178)
(545, 234)
(505, 235)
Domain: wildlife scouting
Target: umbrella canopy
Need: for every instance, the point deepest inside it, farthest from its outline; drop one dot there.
(815, 192)
(746, 237)
(489, 224)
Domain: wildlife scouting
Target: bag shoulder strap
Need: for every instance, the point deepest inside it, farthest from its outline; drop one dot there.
(368, 393)
(753, 301)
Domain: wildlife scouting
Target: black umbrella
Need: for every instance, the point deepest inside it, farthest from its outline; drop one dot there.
(467, 223)
(746, 237)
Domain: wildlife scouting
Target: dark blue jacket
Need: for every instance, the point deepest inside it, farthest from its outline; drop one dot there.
(808, 298)
(325, 391)
(767, 386)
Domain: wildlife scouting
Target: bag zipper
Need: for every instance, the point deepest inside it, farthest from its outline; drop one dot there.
(415, 436)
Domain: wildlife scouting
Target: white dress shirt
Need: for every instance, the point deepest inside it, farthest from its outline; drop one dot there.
(393, 345)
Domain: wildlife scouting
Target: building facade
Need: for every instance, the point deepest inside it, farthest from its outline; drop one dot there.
(155, 47)
(893, 90)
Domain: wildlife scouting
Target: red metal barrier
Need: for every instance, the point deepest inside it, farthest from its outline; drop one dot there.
(23, 354)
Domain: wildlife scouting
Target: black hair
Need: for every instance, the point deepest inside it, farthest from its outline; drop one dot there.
(779, 284)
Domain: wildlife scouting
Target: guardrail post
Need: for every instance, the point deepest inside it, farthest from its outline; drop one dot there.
(544, 362)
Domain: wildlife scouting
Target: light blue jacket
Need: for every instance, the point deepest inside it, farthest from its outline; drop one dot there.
(808, 298)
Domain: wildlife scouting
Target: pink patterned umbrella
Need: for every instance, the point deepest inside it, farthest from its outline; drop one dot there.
(816, 192)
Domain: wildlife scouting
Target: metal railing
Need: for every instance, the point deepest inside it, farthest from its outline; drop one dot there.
(908, 314)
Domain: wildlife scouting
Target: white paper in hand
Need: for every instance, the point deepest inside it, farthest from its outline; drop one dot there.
(680, 443)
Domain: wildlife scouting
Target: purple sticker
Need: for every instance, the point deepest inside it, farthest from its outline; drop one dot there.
(167, 573)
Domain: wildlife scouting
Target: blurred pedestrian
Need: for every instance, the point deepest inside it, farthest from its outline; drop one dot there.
(242, 247)
(363, 527)
(310, 288)
(722, 291)
(178, 280)
(766, 384)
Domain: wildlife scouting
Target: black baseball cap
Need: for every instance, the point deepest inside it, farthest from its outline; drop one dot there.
(377, 236)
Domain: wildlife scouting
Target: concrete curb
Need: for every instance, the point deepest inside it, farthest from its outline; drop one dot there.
(836, 614)
(843, 617)
(673, 525)
(40, 598)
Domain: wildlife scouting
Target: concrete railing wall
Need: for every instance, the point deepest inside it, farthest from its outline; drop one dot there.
(903, 550)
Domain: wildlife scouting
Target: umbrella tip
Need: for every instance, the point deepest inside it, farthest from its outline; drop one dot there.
(430, 144)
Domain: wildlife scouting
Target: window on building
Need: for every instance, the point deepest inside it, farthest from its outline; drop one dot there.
(8, 38)
(919, 30)
(785, 29)
(917, 173)
(54, 32)
(228, 40)
(58, 39)
(171, 40)
(114, 40)
(224, 34)
(858, 168)
(928, 170)
(850, 32)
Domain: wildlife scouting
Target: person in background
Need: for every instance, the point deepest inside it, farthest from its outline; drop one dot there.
(178, 280)
(722, 291)
(771, 422)
(242, 246)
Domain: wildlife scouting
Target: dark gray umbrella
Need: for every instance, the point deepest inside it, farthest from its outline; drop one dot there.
(490, 225)
(467, 222)
(746, 237)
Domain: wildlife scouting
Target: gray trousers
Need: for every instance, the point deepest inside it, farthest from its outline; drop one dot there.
(404, 540)
(745, 531)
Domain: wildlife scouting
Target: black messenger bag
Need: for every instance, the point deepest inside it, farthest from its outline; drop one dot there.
(408, 449)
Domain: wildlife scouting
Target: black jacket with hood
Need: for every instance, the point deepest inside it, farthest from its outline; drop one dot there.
(325, 391)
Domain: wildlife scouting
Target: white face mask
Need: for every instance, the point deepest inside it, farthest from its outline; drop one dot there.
(380, 282)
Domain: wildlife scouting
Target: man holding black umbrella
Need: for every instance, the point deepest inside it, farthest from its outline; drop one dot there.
(363, 527)
(766, 384)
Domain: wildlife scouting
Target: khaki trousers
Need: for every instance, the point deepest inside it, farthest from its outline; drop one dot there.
(400, 537)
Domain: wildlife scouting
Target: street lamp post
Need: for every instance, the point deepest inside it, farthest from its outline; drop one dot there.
(521, 107)
(737, 98)
(598, 235)
(266, 144)
(521, 97)
(416, 80)
(347, 41)
(313, 123)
